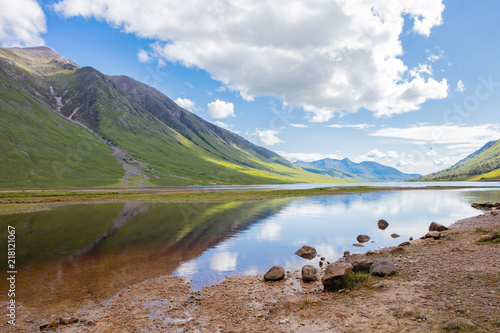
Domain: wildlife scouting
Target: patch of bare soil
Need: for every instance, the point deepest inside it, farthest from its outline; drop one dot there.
(437, 280)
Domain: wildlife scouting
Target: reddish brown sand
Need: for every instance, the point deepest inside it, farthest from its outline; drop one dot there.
(437, 280)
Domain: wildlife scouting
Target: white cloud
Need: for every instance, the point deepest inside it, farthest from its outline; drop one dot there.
(443, 162)
(433, 57)
(421, 69)
(221, 124)
(356, 126)
(324, 56)
(186, 104)
(460, 86)
(404, 163)
(445, 134)
(307, 157)
(299, 125)
(377, 154)
(22, 22)
(220, 109)
(143, 56)
(268, 137)
(431, 153)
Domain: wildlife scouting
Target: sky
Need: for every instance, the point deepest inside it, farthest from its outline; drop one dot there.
(411, 84)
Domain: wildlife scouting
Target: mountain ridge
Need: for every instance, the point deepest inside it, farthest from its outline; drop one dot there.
(69, 126)
(363, 171)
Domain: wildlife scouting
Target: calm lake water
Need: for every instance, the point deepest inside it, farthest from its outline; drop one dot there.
(81, 254)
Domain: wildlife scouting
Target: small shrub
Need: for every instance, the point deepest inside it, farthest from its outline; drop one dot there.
(357, 278)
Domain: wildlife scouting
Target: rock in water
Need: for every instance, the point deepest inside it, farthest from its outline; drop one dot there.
(437, 227)
(395, 236)
(335, 277)
(309, 273)
(459, 324)
(382, 224)
(276, 273)
(363, 238)
(383, 268)
(306, 252)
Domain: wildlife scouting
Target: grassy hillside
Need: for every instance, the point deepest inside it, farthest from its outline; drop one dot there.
(60, 125)
(484, 164)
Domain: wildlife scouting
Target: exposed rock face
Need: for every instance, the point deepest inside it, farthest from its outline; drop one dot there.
(405, 244)
(309, 273)
(437, 227)
(335, 277)
(306, 252)
(432, 234)
(276, 273)
(363, 238)
(382, 224)
(383, 268)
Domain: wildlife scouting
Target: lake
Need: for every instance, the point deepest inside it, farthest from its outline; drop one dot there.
(81, 254)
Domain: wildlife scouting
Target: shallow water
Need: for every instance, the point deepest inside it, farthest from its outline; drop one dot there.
(81, 254)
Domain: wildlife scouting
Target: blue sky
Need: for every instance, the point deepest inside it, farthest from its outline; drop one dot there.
(410, 84)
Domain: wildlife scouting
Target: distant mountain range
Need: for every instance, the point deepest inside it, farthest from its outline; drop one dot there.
(62, 126)
(483, 164)
(364, 171)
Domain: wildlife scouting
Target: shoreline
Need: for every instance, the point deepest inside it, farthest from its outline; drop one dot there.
(19, 201)
(437, 280)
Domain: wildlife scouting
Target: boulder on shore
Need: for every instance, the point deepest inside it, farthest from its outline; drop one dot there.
(361, 265)
(382, 224)
(309, 273)
(306, 252)
(363, 238)
(335, 277)
(437, 227)
(383, 268)
(485, 206)
(432, 234)
(276, 273)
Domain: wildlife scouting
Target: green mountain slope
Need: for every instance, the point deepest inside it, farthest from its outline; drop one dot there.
(66, 126)
(483, 164)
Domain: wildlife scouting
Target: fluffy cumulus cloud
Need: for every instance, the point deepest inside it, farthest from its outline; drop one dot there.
(143, 56)
(323, 56)
(220, 109)
(22, 22)
(376, 154)
(268, 137)
(186, 103)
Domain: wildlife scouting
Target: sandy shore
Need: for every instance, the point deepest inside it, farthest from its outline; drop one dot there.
(437, 280)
